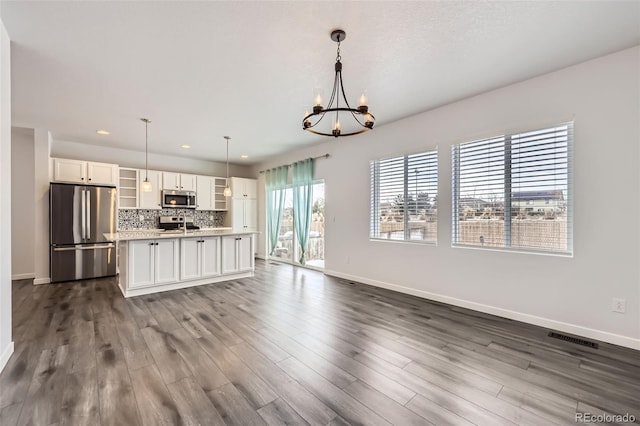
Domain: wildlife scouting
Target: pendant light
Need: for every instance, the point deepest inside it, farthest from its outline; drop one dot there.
(146, 184)
(227, 190)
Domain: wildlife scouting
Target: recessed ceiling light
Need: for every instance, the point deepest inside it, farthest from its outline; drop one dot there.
(103, 132)
(185, 146)
(244, 156)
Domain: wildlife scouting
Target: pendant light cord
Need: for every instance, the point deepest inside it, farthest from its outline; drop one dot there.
(146, 150)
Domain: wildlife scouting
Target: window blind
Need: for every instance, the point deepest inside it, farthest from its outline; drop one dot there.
(404, 197)
(514, 191)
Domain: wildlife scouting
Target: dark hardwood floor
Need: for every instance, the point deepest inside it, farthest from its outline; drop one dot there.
(292, 346)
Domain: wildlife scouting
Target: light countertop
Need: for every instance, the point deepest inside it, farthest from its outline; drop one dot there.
(148, 234)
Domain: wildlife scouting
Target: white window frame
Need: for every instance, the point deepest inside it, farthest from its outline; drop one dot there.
(507, 184)
(428, 161)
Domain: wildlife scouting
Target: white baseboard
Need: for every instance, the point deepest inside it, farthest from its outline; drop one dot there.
(22, 276)
(6, 354)
(578, 330)
(39, 281)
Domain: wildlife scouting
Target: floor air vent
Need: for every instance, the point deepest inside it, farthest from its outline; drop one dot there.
(575, 340)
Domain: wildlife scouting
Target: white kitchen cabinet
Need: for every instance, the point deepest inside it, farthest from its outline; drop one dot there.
(153, 262)
(243, 187)
(181, 181)
(128, 188)
(210, 193)
(199, 258)
(237, 253)
(150, 200)
(78, 171)
(243, 205)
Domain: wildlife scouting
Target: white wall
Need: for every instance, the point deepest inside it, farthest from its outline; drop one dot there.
(22, 203)
(572, 294)
(6, 344)
(135, 159)
(42, 147)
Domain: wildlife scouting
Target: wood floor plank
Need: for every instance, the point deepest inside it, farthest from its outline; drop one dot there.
(233, 407)
(335, 398)
(254, 389)
(395, 413)
(300, 399)
(9, 415)
(80, 401)
(44, 399)
(435, 413)
(133, 344)
(16, 377)
(154, 401)
(278, 412)
(193, 405)
(204, 370)
(380, 382)
(162, 345)
(329, 371)
(117, 401)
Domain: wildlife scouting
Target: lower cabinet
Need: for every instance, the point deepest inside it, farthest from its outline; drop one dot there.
(237, 253)
(199, 258)
(148, 266)
(153, 262)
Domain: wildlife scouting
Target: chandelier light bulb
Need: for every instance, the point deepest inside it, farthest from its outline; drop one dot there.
(363, 99)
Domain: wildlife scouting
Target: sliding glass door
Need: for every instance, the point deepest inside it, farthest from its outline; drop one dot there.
(288, 248)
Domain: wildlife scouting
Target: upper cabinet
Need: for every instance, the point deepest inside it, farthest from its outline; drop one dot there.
(244, 188)
(77, 171)
(210, 193)
(179, 181)
(150, 200)
(128, 188)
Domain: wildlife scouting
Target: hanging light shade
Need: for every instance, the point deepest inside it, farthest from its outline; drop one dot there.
(360, 118)
(146, 184)
(227, 190)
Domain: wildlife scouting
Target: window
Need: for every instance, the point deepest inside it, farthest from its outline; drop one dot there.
(514, 191)
(404, 198)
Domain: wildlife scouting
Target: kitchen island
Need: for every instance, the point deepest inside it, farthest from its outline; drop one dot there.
(152, 261)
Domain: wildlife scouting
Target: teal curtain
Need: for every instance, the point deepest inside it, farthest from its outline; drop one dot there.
(302, 202)
(276, 188)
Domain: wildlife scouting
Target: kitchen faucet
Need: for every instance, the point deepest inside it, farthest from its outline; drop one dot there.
(184, 221)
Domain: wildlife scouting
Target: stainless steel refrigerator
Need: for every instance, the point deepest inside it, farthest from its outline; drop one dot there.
(80, 215)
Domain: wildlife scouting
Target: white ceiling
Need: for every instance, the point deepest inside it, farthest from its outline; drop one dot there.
(202, 70)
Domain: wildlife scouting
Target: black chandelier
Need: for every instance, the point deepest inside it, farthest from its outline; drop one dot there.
(364, 119)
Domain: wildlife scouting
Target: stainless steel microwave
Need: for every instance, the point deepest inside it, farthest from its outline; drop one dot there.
(179, 199)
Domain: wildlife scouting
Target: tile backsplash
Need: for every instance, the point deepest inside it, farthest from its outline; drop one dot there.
(129, 219)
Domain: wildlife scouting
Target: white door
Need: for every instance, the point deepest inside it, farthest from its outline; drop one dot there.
(141, 263)
(102, 173)
(190, 258)
(150, 200)
(204, 192)
(69, 170)
(187, 182)
(210, 252)
(167, 260)
(229, 254)
(170, 180)
(244, 253)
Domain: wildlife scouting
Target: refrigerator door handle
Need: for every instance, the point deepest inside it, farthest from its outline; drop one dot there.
(103, 246)
(83, 201)
(88, 215)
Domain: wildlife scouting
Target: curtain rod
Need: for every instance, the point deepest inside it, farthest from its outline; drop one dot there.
(314, 158)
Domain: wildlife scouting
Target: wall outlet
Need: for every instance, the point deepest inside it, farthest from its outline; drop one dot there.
(141, 217)
(618, 305)
(210, 217)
